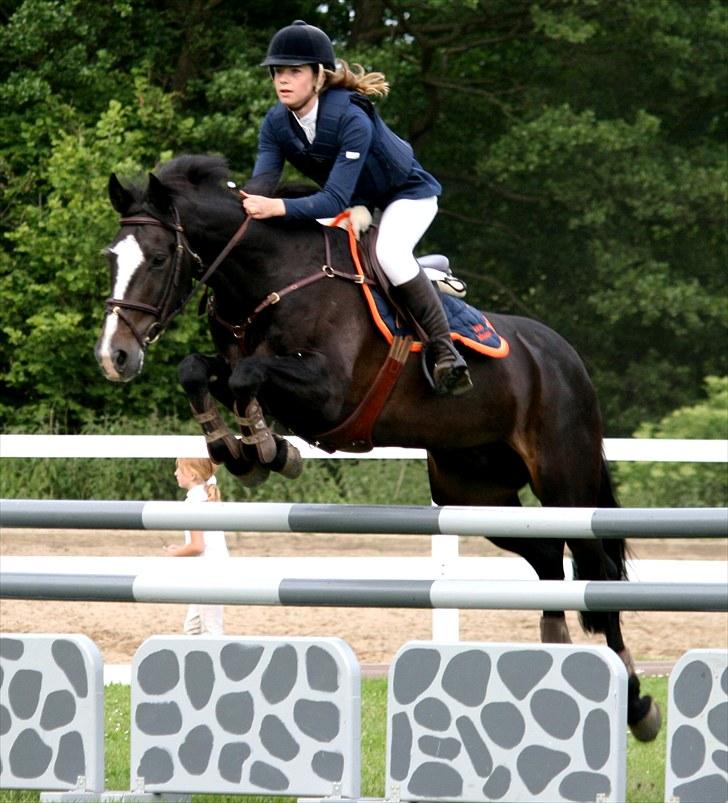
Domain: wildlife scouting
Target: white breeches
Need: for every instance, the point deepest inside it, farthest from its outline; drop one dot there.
(402, 225)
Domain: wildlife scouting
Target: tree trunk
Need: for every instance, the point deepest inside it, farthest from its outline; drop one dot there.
(368, 25)
(195, 18)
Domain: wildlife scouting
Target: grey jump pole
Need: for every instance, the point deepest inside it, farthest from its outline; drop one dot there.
(220, 587)
(501, 522)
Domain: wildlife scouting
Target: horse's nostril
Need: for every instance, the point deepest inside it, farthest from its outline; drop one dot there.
(120, 358)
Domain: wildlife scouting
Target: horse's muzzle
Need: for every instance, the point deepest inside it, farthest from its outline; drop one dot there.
(120, 359)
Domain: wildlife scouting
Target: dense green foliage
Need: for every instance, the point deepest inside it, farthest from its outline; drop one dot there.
(645, 762)
(373, 482)
(689, 484)
(581, 145)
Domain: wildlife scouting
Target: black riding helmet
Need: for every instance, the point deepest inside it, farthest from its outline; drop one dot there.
(300, 43)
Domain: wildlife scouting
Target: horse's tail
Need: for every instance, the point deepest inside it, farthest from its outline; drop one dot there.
(615, 551)
(616, 548)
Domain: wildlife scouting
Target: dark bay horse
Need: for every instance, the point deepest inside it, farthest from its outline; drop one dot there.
(307, 357)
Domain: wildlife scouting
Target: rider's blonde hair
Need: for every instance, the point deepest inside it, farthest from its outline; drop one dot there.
(356, 79)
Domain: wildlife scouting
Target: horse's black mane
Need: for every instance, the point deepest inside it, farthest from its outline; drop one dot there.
(212, 171)
(202, 179)
(197, 171)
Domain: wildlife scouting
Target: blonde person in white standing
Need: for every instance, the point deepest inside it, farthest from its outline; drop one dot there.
(197, 477)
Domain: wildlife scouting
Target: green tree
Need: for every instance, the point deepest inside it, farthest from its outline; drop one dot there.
(597, 202)
(87, 90)
(54, 302)
(681, 484)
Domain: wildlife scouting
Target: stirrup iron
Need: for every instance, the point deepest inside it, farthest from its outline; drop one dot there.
(454, 377)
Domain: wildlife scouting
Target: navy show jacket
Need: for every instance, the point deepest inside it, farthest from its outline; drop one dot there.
(355, 157)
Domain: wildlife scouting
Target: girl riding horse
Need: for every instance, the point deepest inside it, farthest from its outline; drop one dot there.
(325, 125)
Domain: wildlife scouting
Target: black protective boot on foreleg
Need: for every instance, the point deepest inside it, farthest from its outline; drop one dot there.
(449, 372)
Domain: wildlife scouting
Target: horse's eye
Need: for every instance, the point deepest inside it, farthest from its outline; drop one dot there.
(157, 260)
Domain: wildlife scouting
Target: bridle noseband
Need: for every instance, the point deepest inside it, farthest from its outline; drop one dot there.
(163, 316)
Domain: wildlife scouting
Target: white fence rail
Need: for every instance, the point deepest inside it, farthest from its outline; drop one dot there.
(616, 449)
(444, 548)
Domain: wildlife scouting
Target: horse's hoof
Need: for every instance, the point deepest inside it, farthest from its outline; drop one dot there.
(649, 726)
(254, 476)
(554, 631)
(293, 465)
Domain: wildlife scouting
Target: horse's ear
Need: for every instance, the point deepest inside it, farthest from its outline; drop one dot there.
(158, 194)
(121, 199)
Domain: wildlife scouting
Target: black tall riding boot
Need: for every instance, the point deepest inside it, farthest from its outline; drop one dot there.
(448, 372)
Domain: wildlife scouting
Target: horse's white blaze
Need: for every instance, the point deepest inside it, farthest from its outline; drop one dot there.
(129, 257)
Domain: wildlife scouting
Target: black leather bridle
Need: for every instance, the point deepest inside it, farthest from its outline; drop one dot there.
(162, 311)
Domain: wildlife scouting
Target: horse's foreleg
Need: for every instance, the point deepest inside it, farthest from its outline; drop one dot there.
(204, 379)
(273, 452)
(197, 375)
(297, 376)
(255, 430)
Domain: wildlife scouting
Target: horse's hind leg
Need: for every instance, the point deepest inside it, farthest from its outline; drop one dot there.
(202, 379)
(600, 560)
(546, 557)
(592, 561)
(493, 475)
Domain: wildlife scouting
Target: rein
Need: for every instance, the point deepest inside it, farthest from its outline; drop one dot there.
(163, 317)
(326, 271)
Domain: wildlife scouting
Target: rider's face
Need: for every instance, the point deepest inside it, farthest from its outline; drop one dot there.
(295, 87)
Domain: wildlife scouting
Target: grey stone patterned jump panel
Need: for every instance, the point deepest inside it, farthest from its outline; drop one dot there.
(265, 716)
(696, 768)
(51, 712)
(507, 722)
